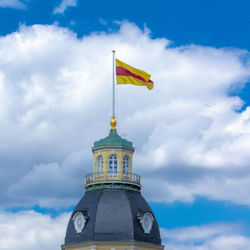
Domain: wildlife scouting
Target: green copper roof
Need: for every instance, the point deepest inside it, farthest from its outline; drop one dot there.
(113, 140)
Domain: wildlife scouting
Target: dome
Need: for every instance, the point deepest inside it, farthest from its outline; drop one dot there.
(112, 212)
(112, 215)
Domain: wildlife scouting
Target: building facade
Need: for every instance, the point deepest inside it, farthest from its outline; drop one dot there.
(112, 215)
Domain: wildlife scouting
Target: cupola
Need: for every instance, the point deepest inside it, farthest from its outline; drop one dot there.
(113, 168)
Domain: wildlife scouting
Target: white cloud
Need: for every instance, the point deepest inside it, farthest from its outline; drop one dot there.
(64, 5)
(207, 237)
(53, 176)
(31, 230)
(55, 96)
(12, 4)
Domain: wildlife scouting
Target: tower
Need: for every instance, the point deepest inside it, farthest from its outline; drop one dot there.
(112, 215)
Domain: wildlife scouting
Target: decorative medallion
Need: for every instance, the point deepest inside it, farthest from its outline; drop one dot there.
(79, 221)
(146, 222)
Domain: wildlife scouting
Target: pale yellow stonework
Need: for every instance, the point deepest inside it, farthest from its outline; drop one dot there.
(120, 154)
(115, 246)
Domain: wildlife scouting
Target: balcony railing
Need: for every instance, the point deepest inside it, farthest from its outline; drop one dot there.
(119, 177)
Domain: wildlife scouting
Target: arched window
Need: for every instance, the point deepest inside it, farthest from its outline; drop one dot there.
(126, 164)
(113, 164)
(99, 165)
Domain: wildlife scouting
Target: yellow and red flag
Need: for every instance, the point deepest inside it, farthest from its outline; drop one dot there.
(126, 74)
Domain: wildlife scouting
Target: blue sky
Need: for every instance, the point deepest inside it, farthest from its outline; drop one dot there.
(212, 23)
(214, 137)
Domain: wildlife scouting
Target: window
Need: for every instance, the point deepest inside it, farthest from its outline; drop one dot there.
(113, 164)
(126, 164)
(99, 165)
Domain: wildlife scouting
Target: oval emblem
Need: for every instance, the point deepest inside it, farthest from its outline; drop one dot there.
(79, 221)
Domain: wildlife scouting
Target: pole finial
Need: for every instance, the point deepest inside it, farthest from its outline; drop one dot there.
(113, 122)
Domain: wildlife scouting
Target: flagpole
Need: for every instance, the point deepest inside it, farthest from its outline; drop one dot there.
(113, 109)
(113, 121)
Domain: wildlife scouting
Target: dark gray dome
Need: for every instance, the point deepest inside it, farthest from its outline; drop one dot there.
(112, 216)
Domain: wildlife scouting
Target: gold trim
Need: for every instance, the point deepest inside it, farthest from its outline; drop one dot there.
(113, 122)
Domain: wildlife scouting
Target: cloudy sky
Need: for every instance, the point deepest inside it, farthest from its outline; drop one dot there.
(191, 132)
